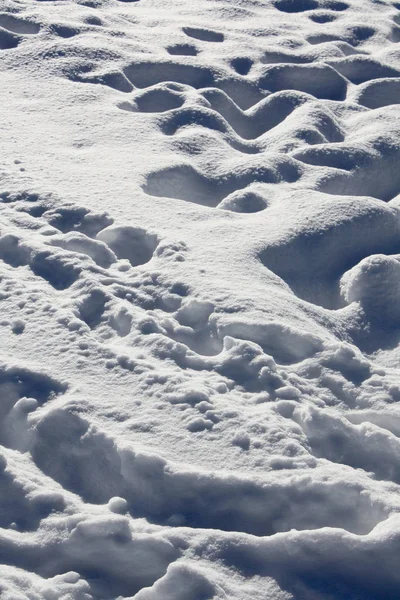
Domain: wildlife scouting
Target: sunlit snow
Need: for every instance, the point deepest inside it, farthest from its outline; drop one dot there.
(200, 300)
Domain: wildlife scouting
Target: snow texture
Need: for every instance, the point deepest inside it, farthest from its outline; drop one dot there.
(199, 287)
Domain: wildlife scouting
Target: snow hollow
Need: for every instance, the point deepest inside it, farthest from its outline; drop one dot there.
(199, 300)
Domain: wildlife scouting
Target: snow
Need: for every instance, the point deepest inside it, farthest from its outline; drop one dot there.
(199, 285)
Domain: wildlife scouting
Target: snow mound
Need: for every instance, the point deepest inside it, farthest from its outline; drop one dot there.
(199, 284)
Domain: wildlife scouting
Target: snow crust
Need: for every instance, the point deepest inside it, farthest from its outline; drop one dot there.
(199, 286)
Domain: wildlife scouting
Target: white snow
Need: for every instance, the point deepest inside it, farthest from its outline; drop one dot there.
(199, 295)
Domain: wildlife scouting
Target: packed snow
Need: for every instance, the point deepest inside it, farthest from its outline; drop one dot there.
(200, 300)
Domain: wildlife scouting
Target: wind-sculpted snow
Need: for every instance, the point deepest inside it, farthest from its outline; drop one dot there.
(199, 288)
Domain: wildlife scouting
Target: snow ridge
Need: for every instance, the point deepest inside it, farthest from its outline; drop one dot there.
(199, 265)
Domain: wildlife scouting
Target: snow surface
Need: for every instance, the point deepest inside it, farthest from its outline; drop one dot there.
(199, 284)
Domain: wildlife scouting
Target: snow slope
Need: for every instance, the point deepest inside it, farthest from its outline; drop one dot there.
(199, 284)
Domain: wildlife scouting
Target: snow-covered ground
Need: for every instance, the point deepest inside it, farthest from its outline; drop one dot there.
(200, 299)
